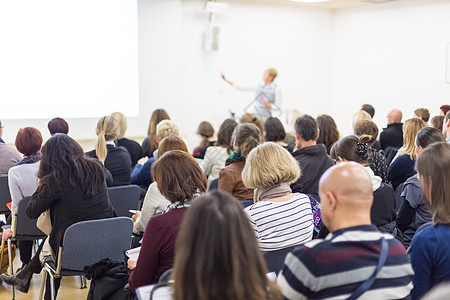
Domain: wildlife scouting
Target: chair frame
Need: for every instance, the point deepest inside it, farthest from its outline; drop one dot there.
(15, 238)
(56, 272)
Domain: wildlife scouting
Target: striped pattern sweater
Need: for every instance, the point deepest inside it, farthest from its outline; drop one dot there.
(333, 268)
(279, 225)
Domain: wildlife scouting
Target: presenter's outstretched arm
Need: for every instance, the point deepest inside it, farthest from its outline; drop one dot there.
(225, 79)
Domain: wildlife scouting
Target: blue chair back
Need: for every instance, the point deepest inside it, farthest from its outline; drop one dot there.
(5, 196)
(26, 227)
(275, 259)
(123, 198)
(214, 185)
(246, 203)
(86, 243)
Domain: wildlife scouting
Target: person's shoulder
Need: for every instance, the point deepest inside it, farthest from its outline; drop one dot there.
(429, 236)
(91, 154)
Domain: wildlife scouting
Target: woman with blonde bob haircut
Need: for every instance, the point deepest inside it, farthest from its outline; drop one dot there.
(402, 167)
(217, 256)
(279, 218)
(430, 255)
(116, 159)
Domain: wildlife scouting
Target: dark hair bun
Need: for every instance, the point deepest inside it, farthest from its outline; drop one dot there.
(362, 149)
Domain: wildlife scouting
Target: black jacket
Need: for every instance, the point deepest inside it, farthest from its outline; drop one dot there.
(133, 148)
(67, 208)
(392, 136)
(314, 161)
(118, 162)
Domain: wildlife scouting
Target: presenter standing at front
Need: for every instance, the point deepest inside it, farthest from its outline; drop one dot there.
(267, 96)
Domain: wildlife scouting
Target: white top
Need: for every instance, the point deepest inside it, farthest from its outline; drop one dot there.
(23, 182)
(280, 225)
(214, 161)
(154, 203)
(272, 94)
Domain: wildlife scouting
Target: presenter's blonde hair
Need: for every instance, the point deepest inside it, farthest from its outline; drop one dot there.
(122, 123)
(272, 72)
(107, 130)
(166, 128)
(269, 164)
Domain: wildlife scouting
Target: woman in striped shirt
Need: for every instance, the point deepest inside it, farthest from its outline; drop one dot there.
(279, 218)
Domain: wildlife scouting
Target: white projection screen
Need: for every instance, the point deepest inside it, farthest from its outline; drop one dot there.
(68, 58)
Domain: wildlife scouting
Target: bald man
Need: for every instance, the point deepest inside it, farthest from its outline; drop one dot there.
(338, 266)
(392, 135)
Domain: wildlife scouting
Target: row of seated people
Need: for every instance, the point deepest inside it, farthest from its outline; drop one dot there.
(246, 137)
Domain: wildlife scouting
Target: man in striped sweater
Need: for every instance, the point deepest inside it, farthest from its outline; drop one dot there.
(334, 268)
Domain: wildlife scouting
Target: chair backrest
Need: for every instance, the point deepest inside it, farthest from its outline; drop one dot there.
(86, 243)
(275, 259)
(246, 203)
(123, 198)
(214, 185)
(26, 226)
(398, 198)
(5, 196)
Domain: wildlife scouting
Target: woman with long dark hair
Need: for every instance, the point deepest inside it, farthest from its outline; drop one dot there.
(72, 186)
(149, 145)
(328, 132)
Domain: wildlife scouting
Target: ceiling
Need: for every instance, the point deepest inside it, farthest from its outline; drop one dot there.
(331, 4)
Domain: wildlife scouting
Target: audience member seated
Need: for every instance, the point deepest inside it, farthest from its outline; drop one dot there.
(430, 255)
(22, 180)
(402, 167)
(154, 201)
(72, 187)
(360, 115)
(320, 269)
(217, 256)
(163, 130)
(216, 156)
(437, 122)
(206, 132)
(58, 125)
(290, 135)
(245, 138)
(274, 132)
(249, 118)
(377, 161)
(9, 156)
(368, 109)
(141, 172)
(133, 147)
(444, 109)
(328, 132)
(279, 218)
(313, 158)
(413, 213)
(149, 145)
(392, 135)
(356, 149)
(446, 127)
(115, 158)
(179, 179)
(423, 114)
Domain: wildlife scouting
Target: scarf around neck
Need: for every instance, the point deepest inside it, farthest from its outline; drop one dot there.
(30, 159)
(176, 205)
(278, 190)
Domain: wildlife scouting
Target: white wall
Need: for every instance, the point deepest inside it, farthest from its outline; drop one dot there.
(176, 74)
(392, 56)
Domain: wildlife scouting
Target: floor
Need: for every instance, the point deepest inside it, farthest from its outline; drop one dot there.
(69, 290)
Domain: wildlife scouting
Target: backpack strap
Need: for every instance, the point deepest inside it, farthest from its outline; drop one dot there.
(366, 285)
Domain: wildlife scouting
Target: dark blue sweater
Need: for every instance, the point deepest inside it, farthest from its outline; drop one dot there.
(430, 258)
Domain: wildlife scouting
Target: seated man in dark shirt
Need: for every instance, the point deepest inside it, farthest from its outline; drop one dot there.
(392, 135)
(313, 158)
